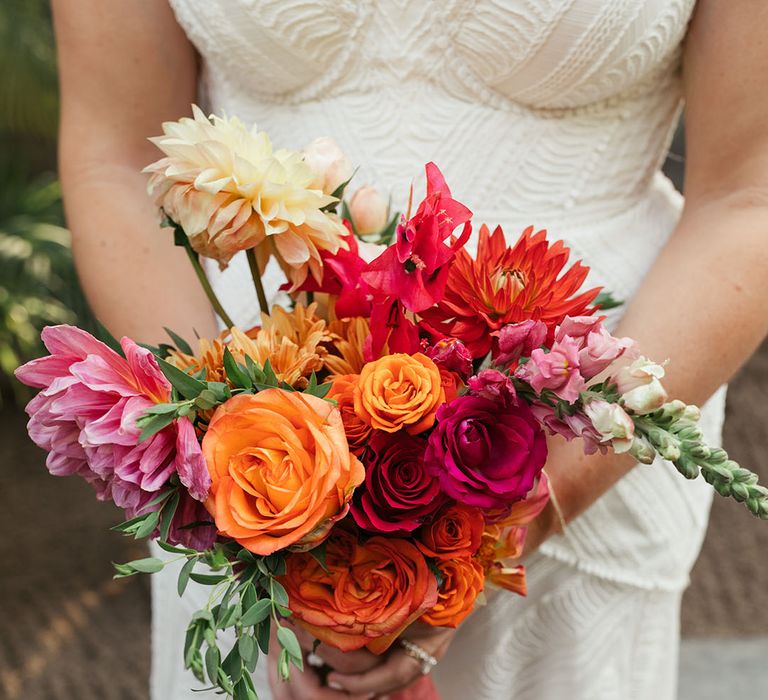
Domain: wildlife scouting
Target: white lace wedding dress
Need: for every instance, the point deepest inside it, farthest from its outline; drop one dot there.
(556, 113)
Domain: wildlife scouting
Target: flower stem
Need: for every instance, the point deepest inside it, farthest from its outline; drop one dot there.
(217, 307)
(256, 275)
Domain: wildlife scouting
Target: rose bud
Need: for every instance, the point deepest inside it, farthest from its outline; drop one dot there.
(329, 164)
(369, 211)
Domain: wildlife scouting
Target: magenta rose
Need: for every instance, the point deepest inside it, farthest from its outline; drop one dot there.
(484, 454)
(399, 494)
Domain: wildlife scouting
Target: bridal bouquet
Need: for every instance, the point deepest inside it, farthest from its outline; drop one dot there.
(370, 456)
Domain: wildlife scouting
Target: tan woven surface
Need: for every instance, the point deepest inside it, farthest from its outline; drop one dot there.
(68, 632)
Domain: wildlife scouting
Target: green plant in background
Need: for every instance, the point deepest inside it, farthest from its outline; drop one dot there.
(38, 285)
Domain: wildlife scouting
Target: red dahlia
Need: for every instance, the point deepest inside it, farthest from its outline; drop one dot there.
(509, 285)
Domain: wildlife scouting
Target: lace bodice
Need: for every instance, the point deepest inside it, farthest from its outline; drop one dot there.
(529, 106)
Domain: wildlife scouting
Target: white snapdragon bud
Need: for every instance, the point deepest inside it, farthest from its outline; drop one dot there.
(641, 371)
(613, 424)
(645, 398)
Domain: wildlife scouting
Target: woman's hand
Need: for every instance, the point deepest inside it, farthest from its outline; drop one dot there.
(394, 670)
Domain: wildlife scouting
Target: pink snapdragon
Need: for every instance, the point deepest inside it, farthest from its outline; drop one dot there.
(569, 427)
(557, 370)
(518, 340)
(598, 349)
(494, 385)
(85, 418)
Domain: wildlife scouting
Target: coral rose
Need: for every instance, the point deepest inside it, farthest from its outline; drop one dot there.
(343, 392)
(281, 469)
(400, 392)
(463, 581)
(366, 595)
(456, 531)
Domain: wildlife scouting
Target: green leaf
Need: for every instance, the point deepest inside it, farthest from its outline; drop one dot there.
(347, 215)
(249, 651)
(262, 634)
(149, 565)
(279, 594)
(192, 643)
(289, 641)
(186, 385)
(208, 579)
(108, 339)
(161, 408)
(232, 664)
(606, 301)
(174, 548)
(248, 596)
(123, 570)
(388, 233)
(212, 661)
(180, 343)
(320, 556)
(270, 378)
(184, 575)
(148, 526)
(258, 612)
(236, 373)
(169, 510)
(153, 424)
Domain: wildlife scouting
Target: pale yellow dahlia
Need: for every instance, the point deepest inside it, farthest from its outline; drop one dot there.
(230, 191)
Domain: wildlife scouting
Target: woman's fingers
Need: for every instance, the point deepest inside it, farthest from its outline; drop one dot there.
(396, 672)
(345, 662)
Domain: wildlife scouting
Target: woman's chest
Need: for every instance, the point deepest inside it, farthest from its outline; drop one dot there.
(539, 53)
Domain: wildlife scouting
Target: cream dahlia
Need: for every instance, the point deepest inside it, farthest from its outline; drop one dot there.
(230, 191)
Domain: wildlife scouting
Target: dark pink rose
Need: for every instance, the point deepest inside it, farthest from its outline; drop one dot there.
(484, 454)
(398, 494)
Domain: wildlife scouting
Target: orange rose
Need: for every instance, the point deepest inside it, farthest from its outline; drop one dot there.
(399, 391)
(367, 594)
(463, 581)
(281, 469)
(456, 531)
(343, 391)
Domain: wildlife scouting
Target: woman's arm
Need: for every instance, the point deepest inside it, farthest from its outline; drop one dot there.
(703, 303)
(124, 67)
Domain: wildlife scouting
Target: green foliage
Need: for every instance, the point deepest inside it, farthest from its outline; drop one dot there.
(28, 94)
(38, 285)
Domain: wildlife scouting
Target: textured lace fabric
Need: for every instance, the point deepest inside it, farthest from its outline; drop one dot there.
(556, 113)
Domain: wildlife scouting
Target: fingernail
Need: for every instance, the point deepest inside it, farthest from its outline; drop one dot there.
(334, 685)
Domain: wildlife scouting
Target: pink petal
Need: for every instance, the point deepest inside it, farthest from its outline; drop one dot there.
(190, 464)
(148, 376)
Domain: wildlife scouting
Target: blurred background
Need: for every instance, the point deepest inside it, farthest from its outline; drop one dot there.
(67, 630)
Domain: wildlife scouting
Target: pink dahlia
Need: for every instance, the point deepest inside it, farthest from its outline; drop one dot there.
(85, 418)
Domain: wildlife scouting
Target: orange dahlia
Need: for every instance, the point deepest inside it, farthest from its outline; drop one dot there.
(508, 285)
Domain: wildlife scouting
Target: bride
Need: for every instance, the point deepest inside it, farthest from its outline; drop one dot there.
(555, 113)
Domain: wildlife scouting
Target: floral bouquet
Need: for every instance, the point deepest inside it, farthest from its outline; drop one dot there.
(371, 456)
